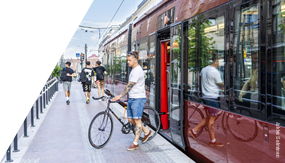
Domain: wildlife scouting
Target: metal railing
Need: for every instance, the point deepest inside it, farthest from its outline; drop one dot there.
(49, 89)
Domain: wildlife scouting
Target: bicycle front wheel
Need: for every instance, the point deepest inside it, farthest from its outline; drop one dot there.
(100, 130)
(150, 120)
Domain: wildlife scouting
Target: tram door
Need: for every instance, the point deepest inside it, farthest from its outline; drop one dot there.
(170, 86)
(175, 109)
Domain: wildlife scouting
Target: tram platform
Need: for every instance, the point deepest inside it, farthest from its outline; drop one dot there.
(62, 136)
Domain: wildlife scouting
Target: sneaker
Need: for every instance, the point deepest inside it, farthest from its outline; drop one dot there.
(67, 102)
(99, 100)
(87, 100)
(216, 144)
(193, 134)
(146, 136)
(133, 147)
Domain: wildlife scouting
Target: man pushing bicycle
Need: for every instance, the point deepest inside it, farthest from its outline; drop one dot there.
(137, 99)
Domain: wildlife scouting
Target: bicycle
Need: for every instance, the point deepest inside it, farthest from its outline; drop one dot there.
(233, 123)
(101, 126)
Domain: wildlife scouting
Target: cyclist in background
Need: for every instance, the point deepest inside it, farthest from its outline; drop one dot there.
(137, 99)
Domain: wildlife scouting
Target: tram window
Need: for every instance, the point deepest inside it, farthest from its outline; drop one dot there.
(117, 64)
(124, 64)
(245, 56)
(190, 78)
(151, 57)
(134, 46)
(112, 59)
(212, 42)
(161, 18)
(143, 60)
(277, 64)
(175, 58)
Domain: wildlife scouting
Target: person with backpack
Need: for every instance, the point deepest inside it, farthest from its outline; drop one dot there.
(66, 78)
(100, 71)
(86, 81)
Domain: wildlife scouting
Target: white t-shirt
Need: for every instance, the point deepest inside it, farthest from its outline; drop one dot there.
(137, 76)
(209, 77)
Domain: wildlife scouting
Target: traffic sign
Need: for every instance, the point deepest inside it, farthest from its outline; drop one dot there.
(77, 54)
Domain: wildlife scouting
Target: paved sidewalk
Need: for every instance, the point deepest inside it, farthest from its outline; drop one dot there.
(63, 137)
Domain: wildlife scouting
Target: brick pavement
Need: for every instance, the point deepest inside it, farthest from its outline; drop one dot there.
(63, 137)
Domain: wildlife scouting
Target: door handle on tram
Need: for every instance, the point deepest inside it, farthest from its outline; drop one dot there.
(169, 89)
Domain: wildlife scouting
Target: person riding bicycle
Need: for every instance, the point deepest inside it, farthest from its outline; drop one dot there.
(137, 99)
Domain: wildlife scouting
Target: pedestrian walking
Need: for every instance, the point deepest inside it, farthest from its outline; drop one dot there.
(66, 77)
(210, 82)
(86, 81)
(100, 71)
(137, 99)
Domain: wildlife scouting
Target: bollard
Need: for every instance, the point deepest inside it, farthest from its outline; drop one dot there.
(41, 103)
(37, 109)
(8, 155)
(44, 98)
(32, 117)
(47, 95)
(25, 128)
(16, 144)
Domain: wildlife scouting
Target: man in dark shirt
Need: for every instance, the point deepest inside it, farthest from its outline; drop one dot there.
(100, 71)
(87, 85)
(67, 84)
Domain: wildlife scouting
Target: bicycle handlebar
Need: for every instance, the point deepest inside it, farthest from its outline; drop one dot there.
(109, 99)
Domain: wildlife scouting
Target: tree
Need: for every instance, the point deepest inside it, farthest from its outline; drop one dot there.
(56, 71)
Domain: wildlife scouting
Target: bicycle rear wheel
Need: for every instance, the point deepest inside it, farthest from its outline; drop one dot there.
(150, 120)
(99, 137)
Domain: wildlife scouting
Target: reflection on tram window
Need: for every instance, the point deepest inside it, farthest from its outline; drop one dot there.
(191, 79)
(175, 57)
(152, 70)
(143, 62)
(246, 54)
(117, 63)
(124, 64)
(277, 64)
(175, 71)
(112, 56)
(212, 44)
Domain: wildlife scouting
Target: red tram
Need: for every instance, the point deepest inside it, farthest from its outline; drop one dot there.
(176, 39)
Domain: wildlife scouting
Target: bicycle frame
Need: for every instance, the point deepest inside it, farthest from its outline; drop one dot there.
(107, 113)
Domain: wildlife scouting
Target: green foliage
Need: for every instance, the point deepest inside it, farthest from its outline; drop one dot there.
(197, 30)
(55, 71)
(206, 43)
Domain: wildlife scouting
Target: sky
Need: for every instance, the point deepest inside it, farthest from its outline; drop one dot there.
(99, 15)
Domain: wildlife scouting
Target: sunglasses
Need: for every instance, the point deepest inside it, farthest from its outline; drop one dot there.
(134, 54)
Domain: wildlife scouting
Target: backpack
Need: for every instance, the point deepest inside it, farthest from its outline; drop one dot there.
(83, 77)
(99, 74)
(63, 75)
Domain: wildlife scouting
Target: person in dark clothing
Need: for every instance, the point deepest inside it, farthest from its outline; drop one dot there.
(87, 85)
(67, 84)
(100, 71)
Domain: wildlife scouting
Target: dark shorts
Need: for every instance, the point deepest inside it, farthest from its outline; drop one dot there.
(214, 103)
(86, 87)
(135, 107)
